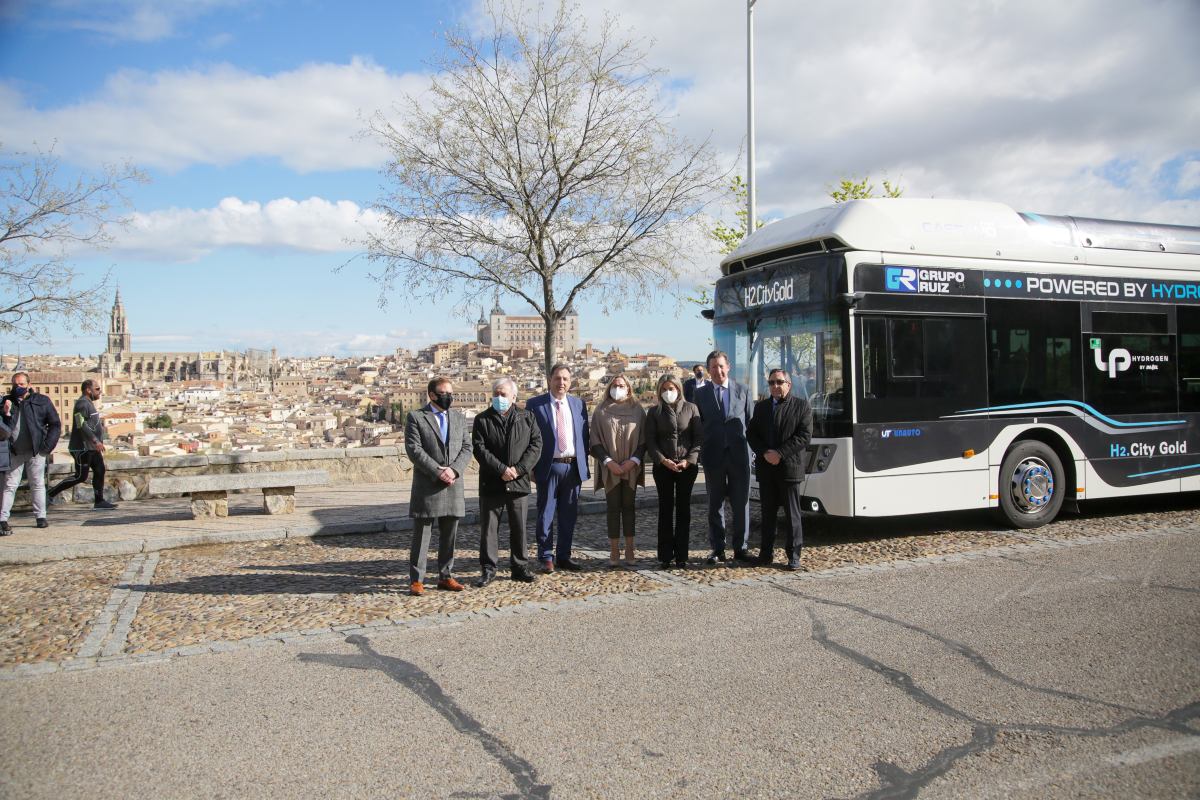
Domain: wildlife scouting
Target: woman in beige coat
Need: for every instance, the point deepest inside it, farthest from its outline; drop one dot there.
(618, 444)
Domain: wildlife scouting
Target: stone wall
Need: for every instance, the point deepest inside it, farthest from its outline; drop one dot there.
(126, 478)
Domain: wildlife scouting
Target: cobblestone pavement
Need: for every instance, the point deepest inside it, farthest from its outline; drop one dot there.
(74, 614)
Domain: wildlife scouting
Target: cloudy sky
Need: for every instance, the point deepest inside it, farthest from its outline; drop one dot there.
(247, 115)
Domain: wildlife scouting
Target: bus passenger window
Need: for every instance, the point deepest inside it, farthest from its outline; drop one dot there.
(1188, 319)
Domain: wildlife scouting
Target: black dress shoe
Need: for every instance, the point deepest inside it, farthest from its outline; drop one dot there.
(42, 523)
(764, 561)
(569, 565)
(485, 579)
(523, 577)
(5, 528)
(741, 555)
(715, 557)
(681, 562)
(665, 565)
(104, 505)
(794, 565)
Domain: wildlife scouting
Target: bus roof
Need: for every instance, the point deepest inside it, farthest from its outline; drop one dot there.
(962, 228)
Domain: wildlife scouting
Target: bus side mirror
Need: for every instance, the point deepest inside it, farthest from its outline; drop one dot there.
(851, 299)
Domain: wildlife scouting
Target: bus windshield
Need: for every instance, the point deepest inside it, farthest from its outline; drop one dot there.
(806, 343)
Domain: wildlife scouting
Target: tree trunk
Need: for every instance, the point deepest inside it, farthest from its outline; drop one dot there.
(549, 344)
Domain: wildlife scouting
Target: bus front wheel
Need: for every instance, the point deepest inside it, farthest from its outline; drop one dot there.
(1031, 485)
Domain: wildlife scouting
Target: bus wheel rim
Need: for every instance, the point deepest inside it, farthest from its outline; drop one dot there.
(1032, 485)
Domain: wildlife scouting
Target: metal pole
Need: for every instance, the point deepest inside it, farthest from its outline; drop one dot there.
(751, 214)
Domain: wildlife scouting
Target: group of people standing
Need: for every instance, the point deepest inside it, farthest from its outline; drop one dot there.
(711, 423)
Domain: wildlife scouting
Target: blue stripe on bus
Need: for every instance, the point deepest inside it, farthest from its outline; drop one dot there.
(1161, 471)
(1077, 404)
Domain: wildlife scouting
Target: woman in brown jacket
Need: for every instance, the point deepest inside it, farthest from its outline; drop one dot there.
(673, 438)
(618, 443)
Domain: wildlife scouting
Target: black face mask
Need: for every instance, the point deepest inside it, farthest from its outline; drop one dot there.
(443, 400)
(19, 391)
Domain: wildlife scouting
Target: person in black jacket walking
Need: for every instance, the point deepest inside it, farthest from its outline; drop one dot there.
(87, 445)
(507, 444)
(779, 432)
(35, 431)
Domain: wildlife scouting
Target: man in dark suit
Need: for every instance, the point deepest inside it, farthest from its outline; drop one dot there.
(438, 443)
(692, 384)
(562, 467)
(507, 444)
(779, 433)
(725, 411)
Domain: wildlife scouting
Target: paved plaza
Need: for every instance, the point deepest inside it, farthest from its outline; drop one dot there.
(934, 657)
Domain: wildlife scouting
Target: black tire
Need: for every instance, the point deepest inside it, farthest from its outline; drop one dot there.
(1032, 485)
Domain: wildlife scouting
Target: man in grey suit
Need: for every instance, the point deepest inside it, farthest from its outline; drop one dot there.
(725, 408)
(438, 443)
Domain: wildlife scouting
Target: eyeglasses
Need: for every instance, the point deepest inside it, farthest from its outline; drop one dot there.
(777, 383)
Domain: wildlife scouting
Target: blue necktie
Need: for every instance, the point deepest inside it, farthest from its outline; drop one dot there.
(441, 415)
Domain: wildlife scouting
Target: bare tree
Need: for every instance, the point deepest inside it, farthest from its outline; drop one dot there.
(45, 215)
(539, 162)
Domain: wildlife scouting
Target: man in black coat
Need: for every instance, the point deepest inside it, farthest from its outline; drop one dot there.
(507, 444)
(35, 430)
(693, 383)
(779, 432)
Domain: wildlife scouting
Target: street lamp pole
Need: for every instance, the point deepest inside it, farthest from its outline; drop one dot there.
(750, 201)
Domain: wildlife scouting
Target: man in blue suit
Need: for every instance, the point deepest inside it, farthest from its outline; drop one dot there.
(725, 409)
(562, 468)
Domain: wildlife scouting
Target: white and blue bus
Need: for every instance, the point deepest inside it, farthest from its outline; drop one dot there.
(962, 355)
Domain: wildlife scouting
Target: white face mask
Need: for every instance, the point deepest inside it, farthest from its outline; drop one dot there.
(618, 393)
(670, 396)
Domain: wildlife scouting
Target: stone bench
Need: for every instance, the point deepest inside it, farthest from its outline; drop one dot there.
(210, 493)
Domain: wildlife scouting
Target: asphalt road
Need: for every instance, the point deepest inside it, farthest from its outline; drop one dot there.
(1053, 673)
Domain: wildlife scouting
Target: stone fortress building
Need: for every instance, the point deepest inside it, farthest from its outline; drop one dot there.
(504, 331)
(120, 362)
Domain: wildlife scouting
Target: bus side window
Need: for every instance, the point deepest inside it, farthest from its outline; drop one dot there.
(1188, 320)
(1034, 355)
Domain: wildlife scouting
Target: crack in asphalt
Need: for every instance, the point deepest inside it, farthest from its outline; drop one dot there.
(422, 684)
(1106, 578)
(896, 782)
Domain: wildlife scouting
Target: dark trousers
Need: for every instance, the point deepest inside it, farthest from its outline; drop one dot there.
(491, 509)
(724, 480)
(774, 492)
(674, 499)
(447, 533)
(557, 496)
(92, 460)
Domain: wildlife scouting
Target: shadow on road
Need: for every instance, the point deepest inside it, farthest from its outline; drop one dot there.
(422, 684)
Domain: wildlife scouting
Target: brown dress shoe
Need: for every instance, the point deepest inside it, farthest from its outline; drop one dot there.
(450, 585)
(416, 588)
(548, 565)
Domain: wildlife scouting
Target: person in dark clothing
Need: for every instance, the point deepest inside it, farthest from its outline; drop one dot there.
(673, 438)
(693, 383)
(87, 445)
(507, 444)
(35, 430)
(779, 431)
(5, 530)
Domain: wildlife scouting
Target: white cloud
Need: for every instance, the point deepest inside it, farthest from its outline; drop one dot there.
(1025, 102)
(185, 234)
(309, 118)
(132, 20)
